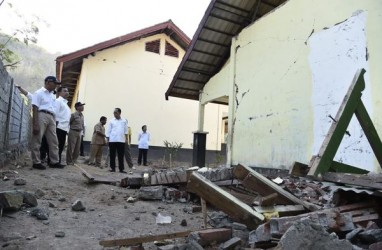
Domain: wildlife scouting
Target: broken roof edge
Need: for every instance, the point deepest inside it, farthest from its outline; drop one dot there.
(126, 38)
(189, 50)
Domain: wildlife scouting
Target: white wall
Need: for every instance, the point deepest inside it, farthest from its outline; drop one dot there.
(134, 80)
(292, 68)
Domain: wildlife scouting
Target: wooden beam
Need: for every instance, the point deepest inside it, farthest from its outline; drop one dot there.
(224, 201)
(143, 239)
(332, 141)
(370, 131)
(354, 179)
(260, 184)
(345, 168)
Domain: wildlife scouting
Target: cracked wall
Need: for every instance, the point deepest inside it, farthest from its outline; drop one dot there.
(277, 120)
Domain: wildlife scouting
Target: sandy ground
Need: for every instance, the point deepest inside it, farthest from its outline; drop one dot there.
(108, 215)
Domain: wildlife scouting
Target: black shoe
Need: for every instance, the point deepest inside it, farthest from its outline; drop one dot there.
(112, 170)
(57, 165)
(39, 166)
(122, 171)
(145, 164)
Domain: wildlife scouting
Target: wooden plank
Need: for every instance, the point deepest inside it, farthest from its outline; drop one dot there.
(283, 210)
(354, 179)
(329, 147)
(299, 169)
(269, 200)
(256, 182)
(366, 218)
(370, 131)
(143, 239)
(96, 178)
(224, 201)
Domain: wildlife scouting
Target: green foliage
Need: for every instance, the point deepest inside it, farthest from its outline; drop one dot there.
(27, 34)
(35, 65)
(171, 151)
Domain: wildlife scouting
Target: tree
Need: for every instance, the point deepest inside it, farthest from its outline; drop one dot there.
(27, 34)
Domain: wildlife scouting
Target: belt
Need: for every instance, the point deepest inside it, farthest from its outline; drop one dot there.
(46, 112)
(78, 130)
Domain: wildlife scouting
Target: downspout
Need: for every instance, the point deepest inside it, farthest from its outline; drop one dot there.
(232, 103)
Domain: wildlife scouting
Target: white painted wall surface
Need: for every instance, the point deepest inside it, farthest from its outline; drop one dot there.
(134, 80)
(288, 66)
(335, 54)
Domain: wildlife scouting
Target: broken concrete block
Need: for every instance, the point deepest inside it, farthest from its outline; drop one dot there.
(351, 235)
(19, 182)
(29, 199)
(151, 193)
(136, 180)
(219, 219)
(304, 234)
(40, 213)
(78, 206)
(230, 244)
(376, 246)
(39, 193)
(11, 200)
(371, 236)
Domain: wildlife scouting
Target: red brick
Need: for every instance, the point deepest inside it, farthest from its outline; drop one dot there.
(213, 236)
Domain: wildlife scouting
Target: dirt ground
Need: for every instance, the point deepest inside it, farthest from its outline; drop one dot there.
(107, 216)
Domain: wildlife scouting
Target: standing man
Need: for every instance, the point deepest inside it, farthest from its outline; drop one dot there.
(44, 123)
(117, 136)
(62, 118)
(127, 149)
(98, 141)
(143, 145)
(76, 125)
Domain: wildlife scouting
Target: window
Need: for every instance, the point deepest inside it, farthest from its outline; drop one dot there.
(171, 50)
(153, 46)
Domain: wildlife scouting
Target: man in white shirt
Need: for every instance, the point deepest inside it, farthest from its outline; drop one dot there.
(117, 135)
(62, 118)
(44, 123)
(143, 145)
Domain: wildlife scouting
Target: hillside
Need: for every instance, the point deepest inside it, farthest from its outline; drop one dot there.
(36, 63)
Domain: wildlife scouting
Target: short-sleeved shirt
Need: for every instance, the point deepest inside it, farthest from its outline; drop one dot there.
(77, 121)
(97, 138)
(143, 140)
(44, 100)
(117, 130)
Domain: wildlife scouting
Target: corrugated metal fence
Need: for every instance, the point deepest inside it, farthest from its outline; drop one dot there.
(15, 119)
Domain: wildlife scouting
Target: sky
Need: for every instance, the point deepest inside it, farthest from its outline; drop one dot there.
(69, 25)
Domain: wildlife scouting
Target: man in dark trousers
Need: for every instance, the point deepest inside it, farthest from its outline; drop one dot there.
(62, 118)
(117, 135)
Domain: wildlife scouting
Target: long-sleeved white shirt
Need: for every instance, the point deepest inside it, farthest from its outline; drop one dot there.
(62, 113)
(117, 129)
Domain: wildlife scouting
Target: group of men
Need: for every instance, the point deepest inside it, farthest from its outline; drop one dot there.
(52, 120)
(118, 137)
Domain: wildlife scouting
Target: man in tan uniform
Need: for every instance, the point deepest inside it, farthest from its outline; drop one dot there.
(76, 124)
(98, 141)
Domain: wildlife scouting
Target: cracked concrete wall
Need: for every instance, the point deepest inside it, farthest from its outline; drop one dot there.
(134, 80)
(280, 79)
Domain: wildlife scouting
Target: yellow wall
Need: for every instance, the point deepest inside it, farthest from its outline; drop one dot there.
(275, 69)
(134, 80)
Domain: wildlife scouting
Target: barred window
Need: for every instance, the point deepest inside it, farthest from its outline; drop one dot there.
(153, 46)
(171, 50)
